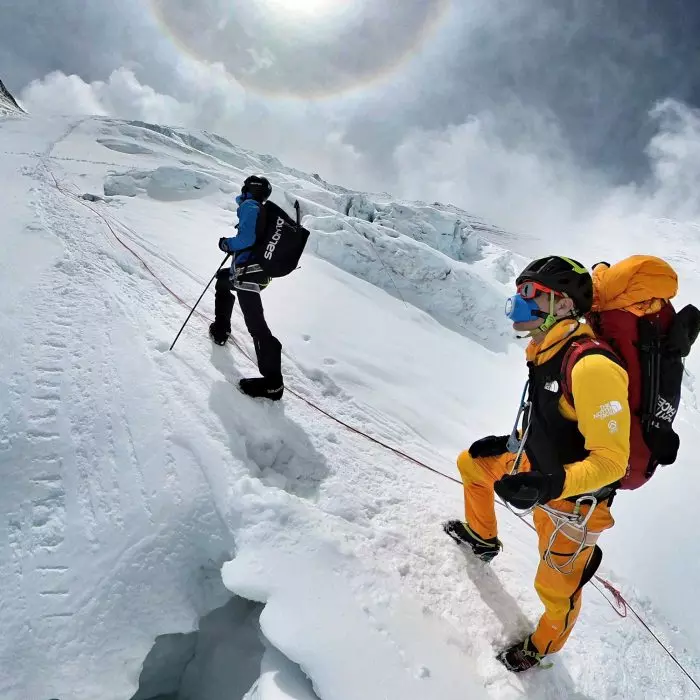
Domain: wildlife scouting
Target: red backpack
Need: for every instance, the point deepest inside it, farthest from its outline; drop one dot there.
(651, 347)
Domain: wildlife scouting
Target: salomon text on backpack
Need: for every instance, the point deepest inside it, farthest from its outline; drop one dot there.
(279, 240)
(633, 317)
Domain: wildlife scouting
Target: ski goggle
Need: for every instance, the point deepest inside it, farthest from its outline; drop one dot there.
(529, 290)
(520, 310)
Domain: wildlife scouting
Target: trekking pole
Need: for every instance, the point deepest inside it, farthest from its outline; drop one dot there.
(228, 255)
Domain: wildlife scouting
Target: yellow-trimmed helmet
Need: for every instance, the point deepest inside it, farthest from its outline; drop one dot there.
(564, 275)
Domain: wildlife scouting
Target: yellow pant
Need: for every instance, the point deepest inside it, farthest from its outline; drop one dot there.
(559, 593)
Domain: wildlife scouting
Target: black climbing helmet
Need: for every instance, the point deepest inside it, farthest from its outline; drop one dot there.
(259, 188)
(564, 275)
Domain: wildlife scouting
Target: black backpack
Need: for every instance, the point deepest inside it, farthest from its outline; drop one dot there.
(279, 240)
(651, 348)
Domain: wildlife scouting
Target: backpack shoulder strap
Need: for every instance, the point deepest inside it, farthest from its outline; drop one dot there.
(578, 349)
(261, 223)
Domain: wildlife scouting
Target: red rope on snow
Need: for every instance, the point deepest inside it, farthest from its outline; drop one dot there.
(106, 221)
(620, 605)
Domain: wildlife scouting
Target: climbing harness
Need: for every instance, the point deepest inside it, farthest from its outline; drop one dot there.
(239, 271)
(574, 525)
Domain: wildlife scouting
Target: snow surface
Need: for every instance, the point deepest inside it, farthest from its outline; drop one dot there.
(141, 490)
(280, 680)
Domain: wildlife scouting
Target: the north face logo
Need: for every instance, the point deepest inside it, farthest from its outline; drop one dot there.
(664, 410)
(607, 410)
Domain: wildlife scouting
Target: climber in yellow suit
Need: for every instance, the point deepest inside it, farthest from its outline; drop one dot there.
(569, 451)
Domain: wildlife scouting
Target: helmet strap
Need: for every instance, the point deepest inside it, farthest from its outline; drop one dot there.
(551, 318)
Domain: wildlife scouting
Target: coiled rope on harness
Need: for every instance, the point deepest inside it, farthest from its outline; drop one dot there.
(620, 605)
(564, 523)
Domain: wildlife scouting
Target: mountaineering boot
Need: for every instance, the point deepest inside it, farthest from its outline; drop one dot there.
(217, 335)
(521, 657)
(263, 387)
(464, 536)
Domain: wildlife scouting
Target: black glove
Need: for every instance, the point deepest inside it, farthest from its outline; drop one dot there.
(530, 488)
(491, 446)
(223, 246)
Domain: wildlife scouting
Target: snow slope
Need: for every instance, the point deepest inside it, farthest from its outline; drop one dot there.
(141, 490)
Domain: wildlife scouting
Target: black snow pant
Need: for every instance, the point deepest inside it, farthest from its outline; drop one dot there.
(268, 349)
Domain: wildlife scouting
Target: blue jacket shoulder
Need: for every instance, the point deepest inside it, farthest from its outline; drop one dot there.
(248, 213)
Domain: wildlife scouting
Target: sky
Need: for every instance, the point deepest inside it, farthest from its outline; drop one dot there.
(536, 114)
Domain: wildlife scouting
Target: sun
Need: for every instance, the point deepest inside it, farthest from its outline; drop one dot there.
(307, 9)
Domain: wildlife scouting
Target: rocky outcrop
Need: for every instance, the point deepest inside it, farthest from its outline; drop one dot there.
(7, 101)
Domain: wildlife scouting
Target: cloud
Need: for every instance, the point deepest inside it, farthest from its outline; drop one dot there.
(531, 185)
(120, 96)
(674, 152)
(596, 68)
(86, 38)
(302, 135)
(525, 177)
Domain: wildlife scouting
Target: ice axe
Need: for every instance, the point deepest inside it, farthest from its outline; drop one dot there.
(223, 262)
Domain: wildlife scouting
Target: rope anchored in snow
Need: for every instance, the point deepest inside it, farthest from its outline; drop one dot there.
(620, 605)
